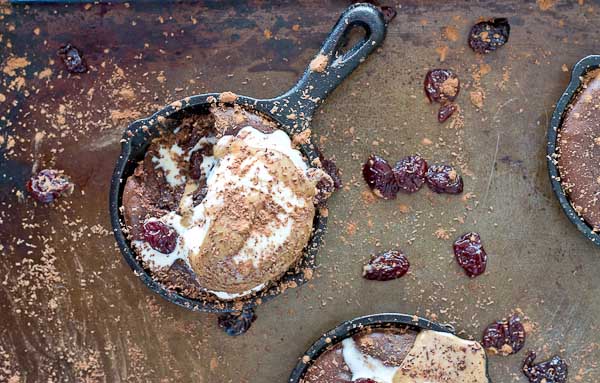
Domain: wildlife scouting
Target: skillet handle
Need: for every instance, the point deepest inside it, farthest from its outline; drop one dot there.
(329, 68)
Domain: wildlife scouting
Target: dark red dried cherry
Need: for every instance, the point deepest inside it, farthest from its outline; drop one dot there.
(487, 36)
(195, 169)
(444, 179)
(378, 174)
(470, 255)
(446, 111)
(325, 187)
(386, 266)
(237, 323)
(49, 184)
(441, 85)
(161, 237)
(364, 380)
(554, 370)
(73, 59)
(506, 336)
(331, 168)
(410, 173)
(389, 13)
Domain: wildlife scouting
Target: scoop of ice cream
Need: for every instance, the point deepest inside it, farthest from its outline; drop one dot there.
(255, 219)
(258, 209)
(438, 357)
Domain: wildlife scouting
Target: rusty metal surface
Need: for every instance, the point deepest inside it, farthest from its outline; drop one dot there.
(71, 309)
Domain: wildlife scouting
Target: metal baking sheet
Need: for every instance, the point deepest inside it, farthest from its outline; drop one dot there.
(72, 310)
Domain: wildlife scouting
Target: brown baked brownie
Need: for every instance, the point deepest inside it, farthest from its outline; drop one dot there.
(579, 150)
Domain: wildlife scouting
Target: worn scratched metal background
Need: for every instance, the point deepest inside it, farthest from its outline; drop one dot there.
(71, 309)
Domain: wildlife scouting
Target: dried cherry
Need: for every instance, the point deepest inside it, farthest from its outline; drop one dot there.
(389, 13)
(325, 187)
(161, 237)
(487, 36)
(410, 173)
(49, 184)
(386, 266)
(378, 174)
(554, 370)
(331, 168)
(444, 179)
(73, 59)
(235, 324)
(446, 111)
(506, 336)
(441, 85)
(470, 255)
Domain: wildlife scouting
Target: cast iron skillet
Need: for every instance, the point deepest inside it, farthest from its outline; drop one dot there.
(292, 110)
(351, 327)
(579, 70)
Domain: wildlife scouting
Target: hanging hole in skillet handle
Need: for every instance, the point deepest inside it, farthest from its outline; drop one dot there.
(353, 37)
(334, 62)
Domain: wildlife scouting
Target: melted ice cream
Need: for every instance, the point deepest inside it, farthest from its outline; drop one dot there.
(169, 157)
(167, 160)
(365, 366)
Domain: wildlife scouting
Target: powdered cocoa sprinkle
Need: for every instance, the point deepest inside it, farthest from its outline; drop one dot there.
(127, 115)
(15, 63)
(442, 52)
(45, 74)
(442, 233)
(545, 5)
(450, 86)
(319, 63)
(477, 97)
(451, 33)
(228, 97)
(302, 138)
